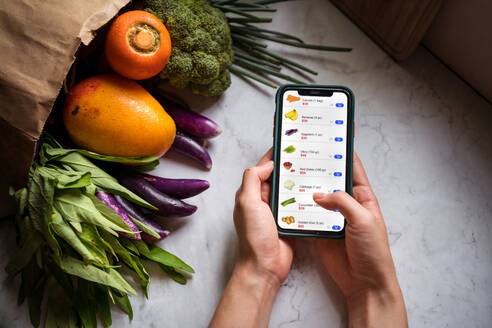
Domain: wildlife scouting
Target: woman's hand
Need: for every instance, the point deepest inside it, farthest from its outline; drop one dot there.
(264, 259)
(259, 244)
(361, 264)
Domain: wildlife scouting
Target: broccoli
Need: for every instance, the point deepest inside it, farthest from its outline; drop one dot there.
(201, 44)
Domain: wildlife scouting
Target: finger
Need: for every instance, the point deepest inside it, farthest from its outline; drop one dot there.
(349, 207)
(362, 190)
(360, 176)
(267, 157)
(265, 192)
(254, 176)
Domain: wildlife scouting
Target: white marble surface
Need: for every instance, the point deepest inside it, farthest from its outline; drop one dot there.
(426, 142)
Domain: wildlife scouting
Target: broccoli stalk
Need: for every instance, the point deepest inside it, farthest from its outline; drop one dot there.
(201, 44)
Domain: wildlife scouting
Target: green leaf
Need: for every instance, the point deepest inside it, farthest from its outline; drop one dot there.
(41, 190)
(175, 275)
(54, 153)
(125, 304)
(103, 307)
(146, 167)
(134, 263)
(21, 200)
(24, 254)
(145, 228)
(76, 225)
(131, 261)
(21, 295)
(159, 255)
(84, 303)
(65, 231)
(78, 207)
(60, 313)
(90, 235)
(110, 277)
(101, 178)
(109, 213)
(142, 247)
(63, 279)
(66, 179)
(33, 281)
(131, 245)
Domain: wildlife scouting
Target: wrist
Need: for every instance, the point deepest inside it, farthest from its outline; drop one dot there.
(383, 307)
(254, 275)
(248, 299)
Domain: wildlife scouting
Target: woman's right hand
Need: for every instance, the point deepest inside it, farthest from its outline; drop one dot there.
(361, 264)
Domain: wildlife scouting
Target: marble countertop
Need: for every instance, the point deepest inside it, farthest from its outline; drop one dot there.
(426, 142)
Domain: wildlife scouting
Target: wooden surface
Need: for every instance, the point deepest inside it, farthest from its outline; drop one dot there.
(396, 25)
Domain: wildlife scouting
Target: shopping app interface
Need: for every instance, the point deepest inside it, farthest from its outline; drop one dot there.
(313, 157)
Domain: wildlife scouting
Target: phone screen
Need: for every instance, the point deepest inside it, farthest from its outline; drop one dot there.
(312, 158)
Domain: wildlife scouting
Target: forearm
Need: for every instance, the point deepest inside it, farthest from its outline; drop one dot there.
(378, 308)
(247, 300)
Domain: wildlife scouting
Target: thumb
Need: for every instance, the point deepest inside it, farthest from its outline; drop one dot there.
(254, 176)
(353, 212)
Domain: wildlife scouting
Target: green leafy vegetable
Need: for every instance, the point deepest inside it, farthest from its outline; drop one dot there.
(100, 178)
(125, 304)
(159, 255)
(78, 207)
(53, 153)
(110, 278)
(103, 307)
(71, 244)
(175, 275)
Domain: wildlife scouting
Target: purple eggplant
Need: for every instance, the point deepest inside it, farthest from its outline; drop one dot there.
(187, 146)
(167, 205)
(111, 202)
(136, 214)
(290, 132)
(179, 188)
(191, 122)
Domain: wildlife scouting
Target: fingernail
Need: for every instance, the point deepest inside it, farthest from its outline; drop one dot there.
(318, 196)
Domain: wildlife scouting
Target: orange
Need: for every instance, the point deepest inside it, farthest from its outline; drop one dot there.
(114, 116)
(138, 45)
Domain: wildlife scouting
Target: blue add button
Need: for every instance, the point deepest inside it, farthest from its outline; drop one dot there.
(339, 104)
(338, 139)
(337, 174)
(336, 227)
(339, 122)
(336, 211)
(338, 156)
(335, 190)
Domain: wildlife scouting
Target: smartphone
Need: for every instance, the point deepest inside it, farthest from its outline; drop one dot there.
(312, 152)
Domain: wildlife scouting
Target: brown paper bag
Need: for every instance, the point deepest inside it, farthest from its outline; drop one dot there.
(38, 42)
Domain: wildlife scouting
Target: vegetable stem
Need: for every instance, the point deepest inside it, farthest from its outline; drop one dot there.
(285, 35)
(248, 20)
(237, 12)
(254, 66)
(287, 61)
(296, 44)
(247, 40)
(252, 51)
(240, 72)
(254, 9)
(256, 60)
(266, 2)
